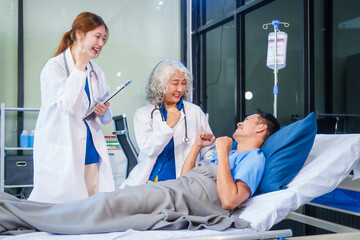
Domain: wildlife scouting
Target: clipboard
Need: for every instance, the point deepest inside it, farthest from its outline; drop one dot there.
(91, 111)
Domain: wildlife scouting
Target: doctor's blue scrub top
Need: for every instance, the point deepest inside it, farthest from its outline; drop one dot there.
(164, 168)
(91, 155)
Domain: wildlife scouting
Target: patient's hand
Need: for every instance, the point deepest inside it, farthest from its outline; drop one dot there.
(223, 144)
(204, 139)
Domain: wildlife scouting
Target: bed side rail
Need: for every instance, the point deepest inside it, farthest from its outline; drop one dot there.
(332, 227)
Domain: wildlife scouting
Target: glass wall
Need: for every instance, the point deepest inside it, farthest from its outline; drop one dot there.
(345, 49)
(221, 79)
(259, 79)
(8, 48)
(8, 64)
(236, 85)
(142, 32)
(323, 54)
(337, 59)
(319, 53)
(216, 9)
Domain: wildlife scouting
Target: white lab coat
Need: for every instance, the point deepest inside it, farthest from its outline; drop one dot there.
(153, 135)
(60, 133)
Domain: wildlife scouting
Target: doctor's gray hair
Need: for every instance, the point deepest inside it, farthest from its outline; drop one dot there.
(159, 77)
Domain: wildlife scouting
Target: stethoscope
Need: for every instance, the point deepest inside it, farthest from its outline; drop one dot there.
(185, 139)
(91, 74)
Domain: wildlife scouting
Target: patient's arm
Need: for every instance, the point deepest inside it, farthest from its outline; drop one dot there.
(203, 139)
(231, 194)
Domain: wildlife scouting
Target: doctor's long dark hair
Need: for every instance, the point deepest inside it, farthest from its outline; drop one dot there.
(84, 22)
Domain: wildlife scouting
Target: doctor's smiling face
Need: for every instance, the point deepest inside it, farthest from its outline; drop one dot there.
(175, 90)
(93, 41)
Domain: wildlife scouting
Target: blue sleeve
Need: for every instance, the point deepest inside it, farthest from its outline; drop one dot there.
(250, 169)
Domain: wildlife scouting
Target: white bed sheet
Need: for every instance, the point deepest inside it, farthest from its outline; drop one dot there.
(130, 235)
(329, 163)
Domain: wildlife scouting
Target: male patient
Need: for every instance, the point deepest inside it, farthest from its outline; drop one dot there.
(204, 196)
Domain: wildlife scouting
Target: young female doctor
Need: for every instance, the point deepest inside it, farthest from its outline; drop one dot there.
(70, 155)
(166, 128)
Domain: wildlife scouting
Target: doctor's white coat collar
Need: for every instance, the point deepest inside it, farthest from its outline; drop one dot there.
(69, 60)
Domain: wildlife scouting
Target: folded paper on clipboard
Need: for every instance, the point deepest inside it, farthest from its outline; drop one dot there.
(91, 111)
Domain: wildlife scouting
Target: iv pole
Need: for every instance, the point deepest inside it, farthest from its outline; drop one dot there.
(276, 24)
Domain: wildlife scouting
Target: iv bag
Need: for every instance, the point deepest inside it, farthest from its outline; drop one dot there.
(281, 50)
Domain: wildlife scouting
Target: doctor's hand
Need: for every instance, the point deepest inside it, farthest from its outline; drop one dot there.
(204, 139)
(223, 145)
(173, 116)
(101, 108)
(82, 56)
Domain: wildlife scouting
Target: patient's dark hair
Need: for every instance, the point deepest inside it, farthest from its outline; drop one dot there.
(271, 122)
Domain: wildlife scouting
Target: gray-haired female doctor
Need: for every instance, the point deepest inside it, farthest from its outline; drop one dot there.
(166, 128)
(71, 161)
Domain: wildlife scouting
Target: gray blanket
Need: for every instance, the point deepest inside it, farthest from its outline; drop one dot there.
(190, 201)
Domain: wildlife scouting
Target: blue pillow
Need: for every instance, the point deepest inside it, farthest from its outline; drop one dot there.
(285, 152)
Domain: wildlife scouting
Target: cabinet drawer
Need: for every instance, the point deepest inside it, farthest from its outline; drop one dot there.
(19, 170)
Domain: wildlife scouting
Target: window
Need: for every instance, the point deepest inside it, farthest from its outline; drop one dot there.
(323, 54)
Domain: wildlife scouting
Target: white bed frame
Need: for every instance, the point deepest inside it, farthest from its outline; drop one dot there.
(339, 231)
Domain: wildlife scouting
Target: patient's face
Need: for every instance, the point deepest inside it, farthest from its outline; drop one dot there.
(176, 88)
(247, 127)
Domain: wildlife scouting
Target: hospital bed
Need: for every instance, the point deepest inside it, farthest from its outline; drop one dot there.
(331, 160)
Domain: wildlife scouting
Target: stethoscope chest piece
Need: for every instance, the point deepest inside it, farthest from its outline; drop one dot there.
(186, 140)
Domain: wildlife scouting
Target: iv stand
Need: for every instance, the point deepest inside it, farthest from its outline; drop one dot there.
(265, 26)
